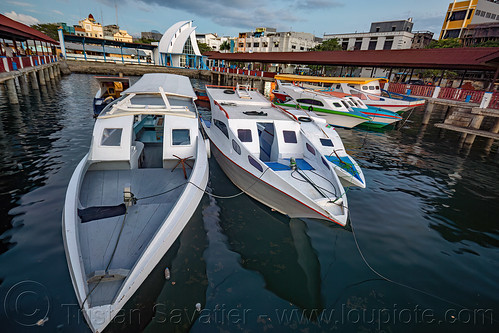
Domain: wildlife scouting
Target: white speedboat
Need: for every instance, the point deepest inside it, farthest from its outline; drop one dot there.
(367, 89)
(132, 194)
(263, 151)
(329, 144)
(329, 107)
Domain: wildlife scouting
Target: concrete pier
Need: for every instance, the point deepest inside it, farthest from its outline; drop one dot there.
(23, 84)
(34, 80)
(11, 91)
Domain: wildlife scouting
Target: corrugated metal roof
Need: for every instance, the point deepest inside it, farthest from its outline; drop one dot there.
(21, 32)
(473, 58)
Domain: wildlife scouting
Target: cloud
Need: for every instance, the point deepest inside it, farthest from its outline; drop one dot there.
(26, 19)
(20, 4)
(317, 4)
(57, 12)
(234, 13)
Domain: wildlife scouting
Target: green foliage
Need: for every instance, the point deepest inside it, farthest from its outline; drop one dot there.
(203, 47)
(489, 43)
(225, 46)
(445, 43)
(49, 29)
(327, 45)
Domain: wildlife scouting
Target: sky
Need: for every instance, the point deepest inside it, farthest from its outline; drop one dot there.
(229, 17)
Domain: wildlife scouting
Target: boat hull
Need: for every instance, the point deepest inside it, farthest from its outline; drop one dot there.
(264, 192)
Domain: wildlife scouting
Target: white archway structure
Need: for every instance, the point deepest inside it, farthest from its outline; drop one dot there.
(178, 47)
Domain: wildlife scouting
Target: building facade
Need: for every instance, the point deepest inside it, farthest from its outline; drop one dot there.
(387, 35)
(214, 41)
(178, 47)
(92, 28)
(123, 36)
(480, 33)
(110, 30)
(269, 40)
(421, 39)
(152, 35)
(461, 14)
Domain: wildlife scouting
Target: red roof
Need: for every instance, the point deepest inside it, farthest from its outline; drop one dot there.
(12, 29)
(472, 58)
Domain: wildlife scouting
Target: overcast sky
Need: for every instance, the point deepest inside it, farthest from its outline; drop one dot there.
(229, 17)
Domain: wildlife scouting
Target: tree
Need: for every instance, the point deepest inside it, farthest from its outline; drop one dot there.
(225, 46)
(445, 43)
(203, 47)
(489, 43)
(49, 29)
(327, 45)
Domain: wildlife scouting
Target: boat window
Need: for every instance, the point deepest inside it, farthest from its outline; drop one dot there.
(236, 147)
(365, 88)
(325, 162)
(338, 86)
(338, 105)
(254, 163)
(310, 149)
(289, 136)
(326, 142)
(377, 87)
(344, 104)
(310, 101)
(244, 135)
(371, 88)
(351, 103)
(111, 137)
(222, 127)
(356, 103)
(181, 137)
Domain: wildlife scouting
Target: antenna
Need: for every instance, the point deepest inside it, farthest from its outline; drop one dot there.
(116, 9)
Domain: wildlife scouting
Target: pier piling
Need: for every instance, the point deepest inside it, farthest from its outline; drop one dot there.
(41, 77)
(11, 91)
(34, 80)
(24, 85)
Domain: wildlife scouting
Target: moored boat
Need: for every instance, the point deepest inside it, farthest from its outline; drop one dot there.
(263, 151)
(132, 194)
(324, 105)
(110, 88)
(367, 89)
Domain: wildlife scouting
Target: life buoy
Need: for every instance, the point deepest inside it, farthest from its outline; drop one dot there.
(229, 91)
(310, 108)
(304, 119)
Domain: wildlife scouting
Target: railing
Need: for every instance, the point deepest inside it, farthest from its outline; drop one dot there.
(494, 101)
(243, 72)
(472, 96)
(8, 64)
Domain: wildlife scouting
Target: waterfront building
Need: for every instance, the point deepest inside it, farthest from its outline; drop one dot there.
(270, 40)
(178, 47)
(385, 35)
(421, 39)
(463, 13)
(110, 30)
(214, 41)
(123, 36)
(79, 31)
(92, 28)
(480, 33)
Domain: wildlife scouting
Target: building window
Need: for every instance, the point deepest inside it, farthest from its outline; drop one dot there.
(458, 16)
(276, 44)
(248, 44)
(302, 48)
(372, 44)
(377, 29)
(478, 12)
(470, 13)
(256, 44)
(393, 28)
(293, 47)
(388, 44)
(493, 16)
(487, 15)
(265, 44)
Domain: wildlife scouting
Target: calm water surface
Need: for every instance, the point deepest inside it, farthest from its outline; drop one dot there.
(428, 221)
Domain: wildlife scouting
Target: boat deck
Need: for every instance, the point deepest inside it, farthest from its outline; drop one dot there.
(98, 237)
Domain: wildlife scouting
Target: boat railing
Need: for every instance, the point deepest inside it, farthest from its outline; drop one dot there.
(229, 87)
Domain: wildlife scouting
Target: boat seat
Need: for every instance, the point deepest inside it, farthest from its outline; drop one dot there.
(112, 275)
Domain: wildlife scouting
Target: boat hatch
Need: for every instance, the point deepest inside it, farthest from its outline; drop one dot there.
(266, 137)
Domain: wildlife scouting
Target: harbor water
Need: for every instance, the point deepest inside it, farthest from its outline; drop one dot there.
(421, 253)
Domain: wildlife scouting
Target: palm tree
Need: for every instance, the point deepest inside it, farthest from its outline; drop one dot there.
(225, 46)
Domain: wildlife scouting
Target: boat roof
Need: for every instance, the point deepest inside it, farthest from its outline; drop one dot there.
(327, 79)
(171, 84)
(234, 105)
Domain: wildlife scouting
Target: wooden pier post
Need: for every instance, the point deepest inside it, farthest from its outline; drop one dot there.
(34, 80)
(41, 77)
(490, 142)
(11, 91)
(51, 72)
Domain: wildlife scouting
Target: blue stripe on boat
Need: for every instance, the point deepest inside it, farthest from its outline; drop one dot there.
(348, 165)
(300, 163)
